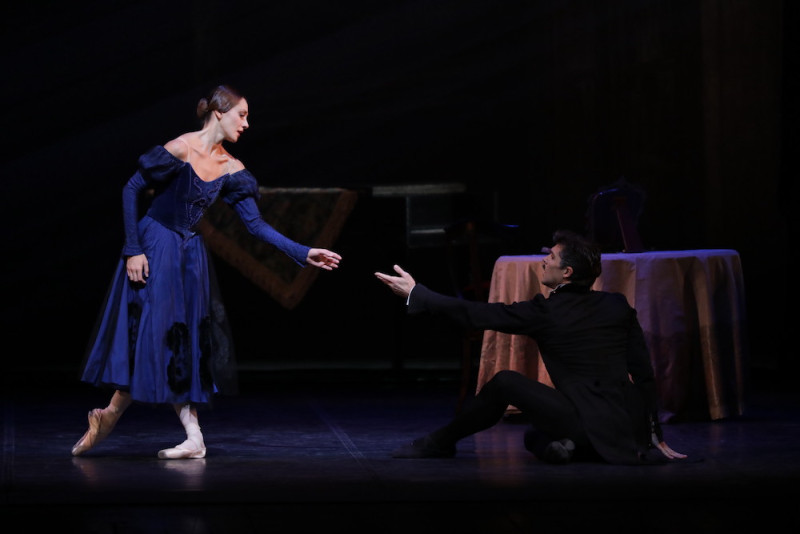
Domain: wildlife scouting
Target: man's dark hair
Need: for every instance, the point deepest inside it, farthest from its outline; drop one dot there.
(581, 254)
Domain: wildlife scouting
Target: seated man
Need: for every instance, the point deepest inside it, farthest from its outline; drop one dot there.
(603, 405)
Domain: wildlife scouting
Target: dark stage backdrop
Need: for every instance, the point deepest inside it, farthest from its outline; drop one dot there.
(534, 104)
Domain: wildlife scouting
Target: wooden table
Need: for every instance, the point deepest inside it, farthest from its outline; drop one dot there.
(691, 305)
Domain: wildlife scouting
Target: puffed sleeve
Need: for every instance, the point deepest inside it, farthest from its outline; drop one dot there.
(158, 165)
(241, 192)
(155, 165)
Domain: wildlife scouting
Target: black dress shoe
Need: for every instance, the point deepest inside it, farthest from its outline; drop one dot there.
(559, 452)
(549, 450)
(424, 448)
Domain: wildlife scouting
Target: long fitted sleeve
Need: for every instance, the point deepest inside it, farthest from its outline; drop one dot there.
(130, 215)
(251, 217)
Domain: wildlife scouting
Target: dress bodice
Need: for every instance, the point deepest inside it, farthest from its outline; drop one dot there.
(184, 200)
(181, 196)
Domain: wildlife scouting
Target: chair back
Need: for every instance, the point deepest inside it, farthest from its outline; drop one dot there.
(613, 217)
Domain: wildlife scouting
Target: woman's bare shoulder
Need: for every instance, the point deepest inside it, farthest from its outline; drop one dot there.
(179, 147)
(235, 165)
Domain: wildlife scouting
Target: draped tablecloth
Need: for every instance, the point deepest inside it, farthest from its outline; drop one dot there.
(691, 305)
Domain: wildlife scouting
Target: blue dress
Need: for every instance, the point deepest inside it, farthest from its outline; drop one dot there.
(167, 341)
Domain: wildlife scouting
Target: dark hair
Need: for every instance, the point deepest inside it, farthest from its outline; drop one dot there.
(581, 254)
(222, 99)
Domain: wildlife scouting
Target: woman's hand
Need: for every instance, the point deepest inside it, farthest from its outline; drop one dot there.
(323, 258)
(138, 268)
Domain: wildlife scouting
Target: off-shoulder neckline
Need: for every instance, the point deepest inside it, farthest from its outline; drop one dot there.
(171, 155)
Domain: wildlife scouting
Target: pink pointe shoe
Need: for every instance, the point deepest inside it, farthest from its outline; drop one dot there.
(186, 450)
(97, 432)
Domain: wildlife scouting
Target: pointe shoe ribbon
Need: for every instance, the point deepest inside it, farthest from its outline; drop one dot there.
(96, 433)
(186, 450)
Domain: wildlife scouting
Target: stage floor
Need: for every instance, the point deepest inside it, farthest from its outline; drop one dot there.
(310, 452)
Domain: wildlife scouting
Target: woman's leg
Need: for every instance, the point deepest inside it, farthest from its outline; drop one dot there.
(102, 422)
(193, 446)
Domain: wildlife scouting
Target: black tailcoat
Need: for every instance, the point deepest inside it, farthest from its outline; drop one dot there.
(593, 348)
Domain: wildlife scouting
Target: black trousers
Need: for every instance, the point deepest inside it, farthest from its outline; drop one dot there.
(552, 415)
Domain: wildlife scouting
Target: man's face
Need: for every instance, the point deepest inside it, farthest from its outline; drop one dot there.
(553, 274)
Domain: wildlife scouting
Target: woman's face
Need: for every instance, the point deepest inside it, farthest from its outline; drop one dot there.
(234, 121)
